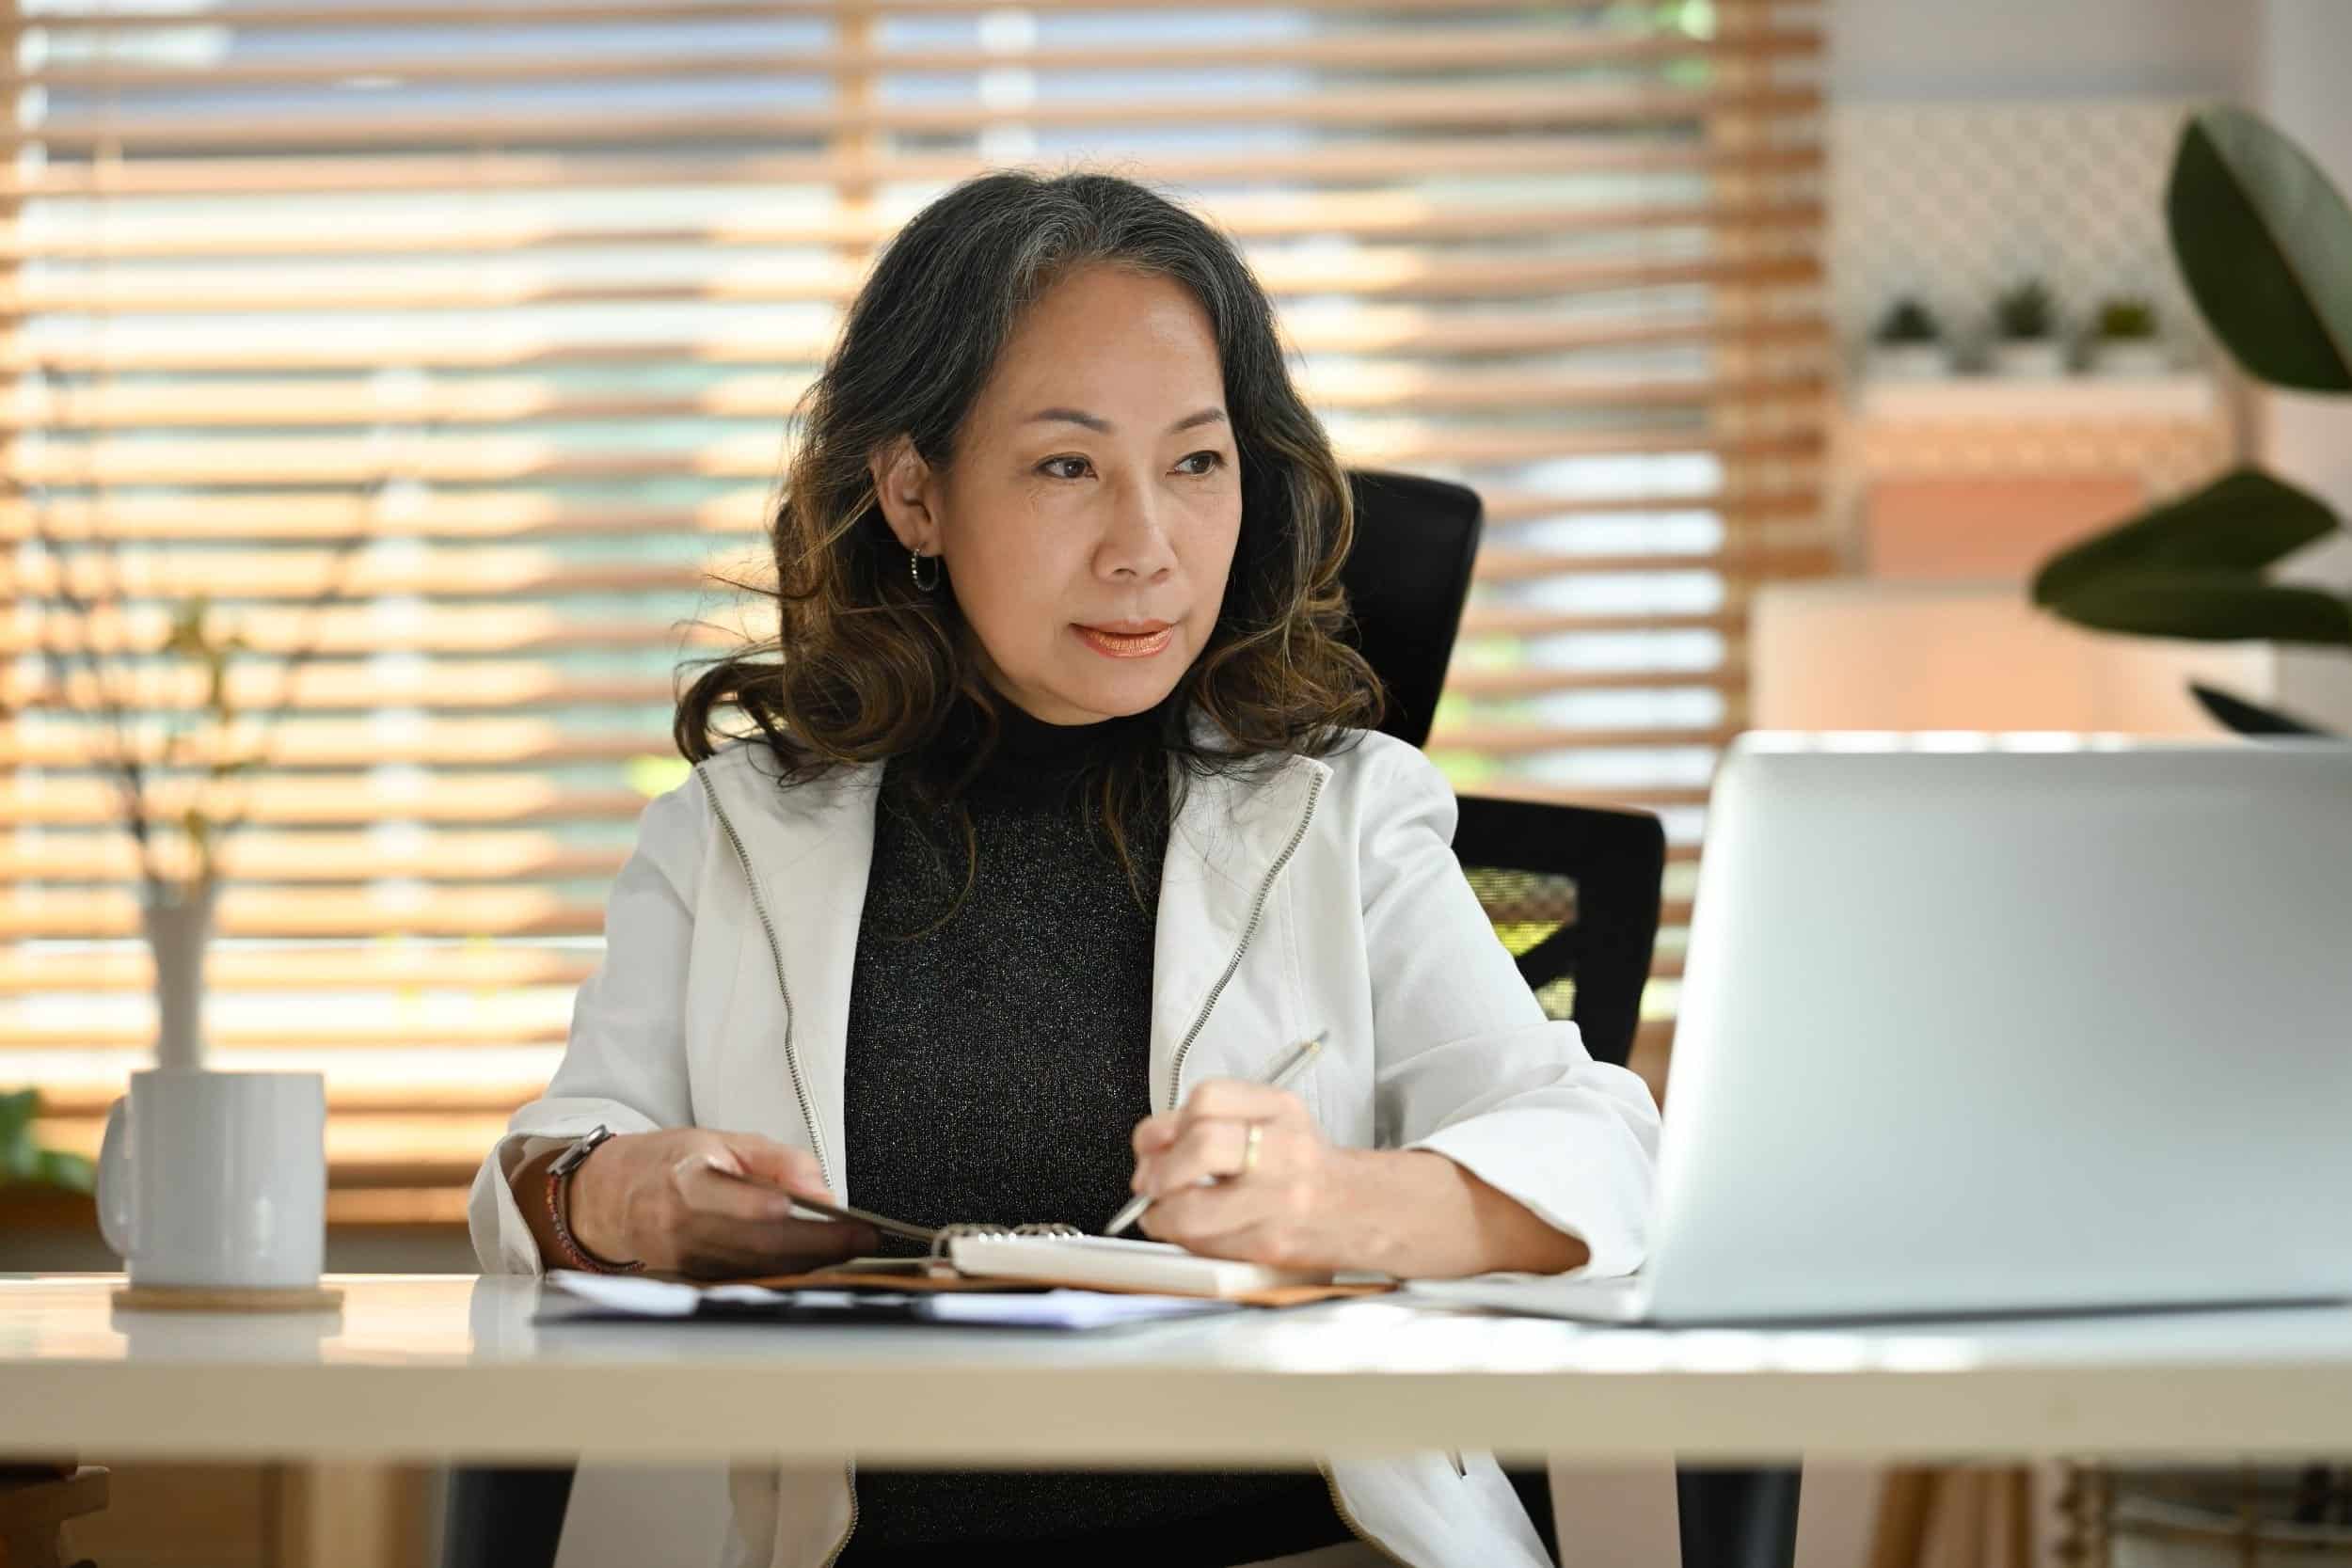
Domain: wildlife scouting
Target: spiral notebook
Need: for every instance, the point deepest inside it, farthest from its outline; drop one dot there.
(963, 1255)
(1112, 1263)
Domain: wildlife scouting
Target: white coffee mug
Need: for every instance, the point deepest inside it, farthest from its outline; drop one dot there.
(216, 1179)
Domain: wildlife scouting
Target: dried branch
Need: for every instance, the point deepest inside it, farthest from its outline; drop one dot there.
(337, 589)
(188, 638)
(124, 762)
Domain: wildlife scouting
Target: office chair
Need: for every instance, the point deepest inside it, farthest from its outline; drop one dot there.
(1572, 891)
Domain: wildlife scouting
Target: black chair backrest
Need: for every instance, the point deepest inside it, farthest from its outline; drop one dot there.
(1572, 891)
(1407, 578)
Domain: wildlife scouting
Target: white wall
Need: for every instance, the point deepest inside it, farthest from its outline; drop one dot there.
(1986, 50)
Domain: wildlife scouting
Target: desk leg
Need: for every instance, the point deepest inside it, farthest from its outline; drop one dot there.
(1736, 1518)
(353, 1516)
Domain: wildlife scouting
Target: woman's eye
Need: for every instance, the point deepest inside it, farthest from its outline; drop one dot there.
(1210, 461)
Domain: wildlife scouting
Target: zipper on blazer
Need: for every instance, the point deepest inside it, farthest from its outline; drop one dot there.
(800, 1086)
(843, 1544)
(1257, 909)
(1332, 1484)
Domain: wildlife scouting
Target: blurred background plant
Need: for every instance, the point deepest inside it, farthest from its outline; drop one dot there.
(2026, 339)
(23, 1158)
(1908, 341)
(2024, 313)
(1907, 321)
(2264, 242)
(2125, 319)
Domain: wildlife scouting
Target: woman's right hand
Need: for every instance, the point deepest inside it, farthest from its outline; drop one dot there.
(691, 1200)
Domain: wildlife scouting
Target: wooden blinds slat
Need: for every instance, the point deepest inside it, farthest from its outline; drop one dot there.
(1372, 274)
(451, 349)
(1447, 108)
(1369, 214)
(1402, 158)
(94, 14)
(1520, 47)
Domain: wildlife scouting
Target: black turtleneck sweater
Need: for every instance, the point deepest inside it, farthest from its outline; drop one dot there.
(997, 1064)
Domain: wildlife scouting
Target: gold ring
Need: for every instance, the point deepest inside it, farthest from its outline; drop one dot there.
(1249, 1148)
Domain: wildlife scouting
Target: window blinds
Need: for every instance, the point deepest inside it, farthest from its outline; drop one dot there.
(451, 346)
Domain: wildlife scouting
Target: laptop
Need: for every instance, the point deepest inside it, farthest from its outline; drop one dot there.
(1989, 1024)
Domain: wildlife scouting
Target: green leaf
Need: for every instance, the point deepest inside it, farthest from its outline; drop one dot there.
(2265, 244)
(2244, 520)
(17, 1111)
(2245, 717)
(59, 1168)
(17, 1154)
(23, 1159)
(2217, 606)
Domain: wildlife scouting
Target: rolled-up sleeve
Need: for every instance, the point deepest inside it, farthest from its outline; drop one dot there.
(624, 1063)
(1468, 1064)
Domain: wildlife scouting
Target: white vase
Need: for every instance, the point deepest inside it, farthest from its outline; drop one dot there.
(1910, 361)
(2130, 356)
(2038, 357)
(179, 924)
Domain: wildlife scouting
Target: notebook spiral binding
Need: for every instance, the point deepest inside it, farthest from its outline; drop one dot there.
(946, 1233)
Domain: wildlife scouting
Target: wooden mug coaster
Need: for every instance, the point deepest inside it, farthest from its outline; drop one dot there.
(227, 1298)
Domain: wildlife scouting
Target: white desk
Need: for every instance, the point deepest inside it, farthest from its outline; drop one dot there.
(443, 1367)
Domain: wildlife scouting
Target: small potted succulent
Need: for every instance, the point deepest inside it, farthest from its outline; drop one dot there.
(1908, 344)
(2025, 341)
(2125, 341)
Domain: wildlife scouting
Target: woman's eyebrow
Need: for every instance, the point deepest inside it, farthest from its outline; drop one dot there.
(1078, 416)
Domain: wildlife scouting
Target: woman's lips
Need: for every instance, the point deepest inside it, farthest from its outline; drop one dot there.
(1125, 645)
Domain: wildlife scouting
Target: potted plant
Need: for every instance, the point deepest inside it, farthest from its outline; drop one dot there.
(2259, 232)
(2024, 327)
(2125, 341)
(175, 739)
(1908, 344)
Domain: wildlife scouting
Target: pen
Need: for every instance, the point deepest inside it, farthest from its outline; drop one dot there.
(882, 1222)
(1290, 1068)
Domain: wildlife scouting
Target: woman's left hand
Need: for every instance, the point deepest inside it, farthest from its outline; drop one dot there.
(1290, 1206)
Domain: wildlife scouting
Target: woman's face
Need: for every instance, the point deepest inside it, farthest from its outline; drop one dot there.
(1089, 520)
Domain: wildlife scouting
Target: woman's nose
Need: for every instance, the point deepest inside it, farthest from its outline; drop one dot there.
(1137, 542)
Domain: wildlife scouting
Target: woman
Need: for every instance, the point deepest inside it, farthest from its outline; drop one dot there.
(1054, 821)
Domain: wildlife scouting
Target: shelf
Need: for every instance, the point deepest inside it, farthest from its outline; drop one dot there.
(2011, 400)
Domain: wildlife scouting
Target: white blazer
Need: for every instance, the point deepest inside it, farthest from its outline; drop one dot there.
(1321, 894)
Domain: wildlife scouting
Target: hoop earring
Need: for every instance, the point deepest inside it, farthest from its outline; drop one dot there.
(914, 569)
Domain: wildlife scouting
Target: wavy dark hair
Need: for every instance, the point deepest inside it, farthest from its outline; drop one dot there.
(866, 666)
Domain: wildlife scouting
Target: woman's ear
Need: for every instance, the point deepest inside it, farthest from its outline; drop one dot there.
(902, 486)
